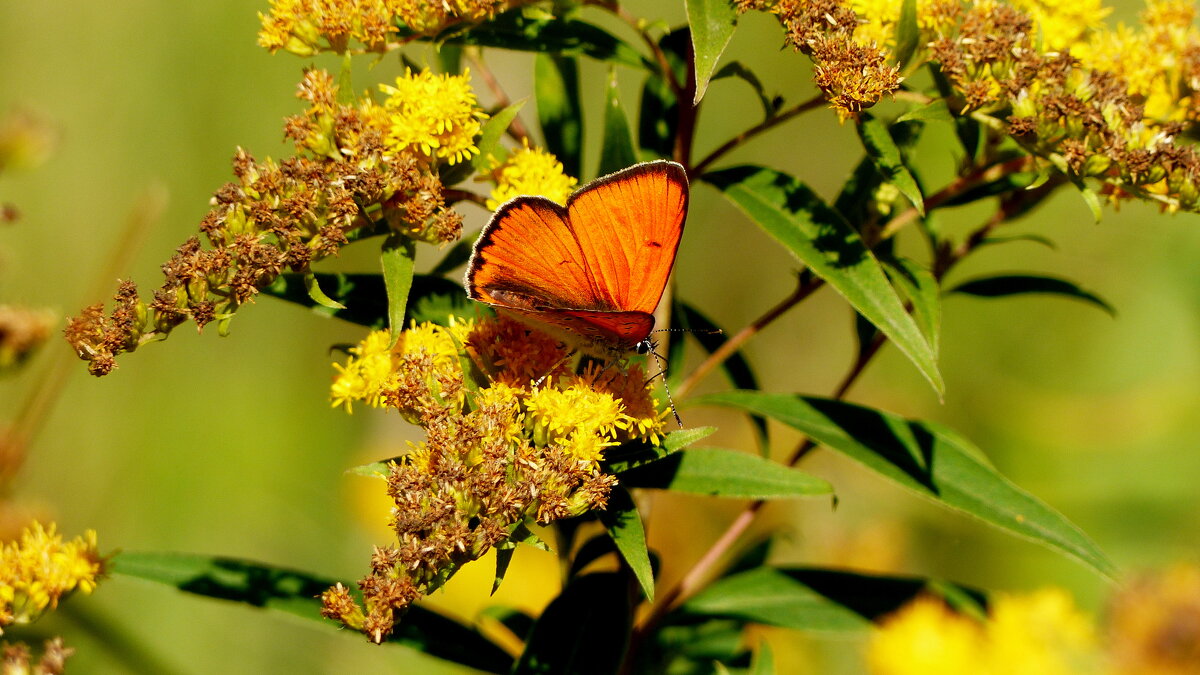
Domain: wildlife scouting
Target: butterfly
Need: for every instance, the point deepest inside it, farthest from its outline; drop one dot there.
(592, 272)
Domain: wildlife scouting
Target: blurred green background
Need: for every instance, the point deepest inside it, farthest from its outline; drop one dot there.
(229, 446)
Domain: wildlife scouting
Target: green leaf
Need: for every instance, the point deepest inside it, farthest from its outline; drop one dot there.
(658, 117)
(313, 288)
(633, 454)
(764, 660)
(687, 318)
(592, 550)
(521, 534)
(398, 256)
(921, 288)
(712, 23)
(739, 70)
(297, 593)
(1018, 284)
(1035, 238)
(934, 111)
(583, 631)
(926, 458)
(365, 298)
(725, 473)
(517, 30)
(791, 213)
(690, 645)
(1006, 184)
(617, 151)
(449, 59)
(811, 598)
(457, 256)
(624, 525)
(908, 34)
(884, 153)
(489, 137)
(556, 88)
(380, 469)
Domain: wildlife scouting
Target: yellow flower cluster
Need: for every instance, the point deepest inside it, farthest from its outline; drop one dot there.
(1154, 624)
(435, 114)
(1040, 633)
(307, 27)
(530, 171)
(513, 438)
(40, 569)
(1157, 59)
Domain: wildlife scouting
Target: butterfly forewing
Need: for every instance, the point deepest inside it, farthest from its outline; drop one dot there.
(528, 250)
(594, 270)
(628, 226)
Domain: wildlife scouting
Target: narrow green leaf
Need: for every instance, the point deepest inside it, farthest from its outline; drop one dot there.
(1006, 184)
(298, 594)
(592, 550)
(521, 534)
(380, 469)
(556, 88)
(764, 660)
(317, 295)
(692, 644)
(685, 317)
(1019, 284)
(617, 151)
(515, 620)
(489, 137)
(739, 70)
(928, 459)
(1035, 238)
(457, 256)
(725, 473)
(624, 525)
(712, 23)
(809, 598)
(633, 454)
(934, 111)
(921, 288)
(882, 150)
(449, 59)
(522, 31)
(365, 297)
(398, 256)
(583, 631)
(908, 34)
(791, 213)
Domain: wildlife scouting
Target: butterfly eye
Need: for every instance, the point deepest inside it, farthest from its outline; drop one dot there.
(645, 346)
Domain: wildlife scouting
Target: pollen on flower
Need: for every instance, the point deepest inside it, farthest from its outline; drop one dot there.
(514, 442)
(40, 569)
(530, 171)
(435, 115)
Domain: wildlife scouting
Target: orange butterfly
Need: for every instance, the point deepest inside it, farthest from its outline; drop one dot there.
(592, 272)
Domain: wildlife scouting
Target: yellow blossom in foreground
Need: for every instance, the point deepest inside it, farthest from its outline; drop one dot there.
(1064, 23)
(40, 569)
(530, 171)
(1039, 633)
(511, 440)
(434, 114)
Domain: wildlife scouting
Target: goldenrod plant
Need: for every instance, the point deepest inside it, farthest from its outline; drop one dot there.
(525, 424)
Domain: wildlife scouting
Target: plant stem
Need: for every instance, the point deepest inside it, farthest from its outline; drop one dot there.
(804, 289)
(765, 125)
(516, 130)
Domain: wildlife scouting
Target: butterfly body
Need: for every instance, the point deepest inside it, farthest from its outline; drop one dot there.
(593, 271)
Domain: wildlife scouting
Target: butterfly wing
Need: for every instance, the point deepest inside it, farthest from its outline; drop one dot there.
(628, 225)
(595, 269)
(527, 257)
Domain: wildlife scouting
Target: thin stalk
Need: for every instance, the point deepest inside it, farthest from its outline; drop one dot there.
(757, 129)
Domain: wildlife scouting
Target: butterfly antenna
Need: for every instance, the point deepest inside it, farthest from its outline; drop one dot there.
(662, 372)
(553, 368)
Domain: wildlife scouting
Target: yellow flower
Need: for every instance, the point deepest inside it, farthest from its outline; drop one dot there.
(1038, 633)
(40, 569)
(372, 372)
(530, 171)
(434, 114)
(926, 638)
(583, 420)
(1064, 24)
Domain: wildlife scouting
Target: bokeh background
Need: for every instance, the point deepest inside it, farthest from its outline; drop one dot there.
(228, 445)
